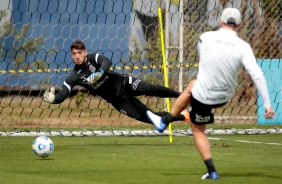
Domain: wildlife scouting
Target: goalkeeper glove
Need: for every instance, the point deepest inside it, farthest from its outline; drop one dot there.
(95, 76)
(49, 95)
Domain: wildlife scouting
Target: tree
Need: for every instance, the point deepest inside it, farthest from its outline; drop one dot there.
(18, 49)
(270, 39)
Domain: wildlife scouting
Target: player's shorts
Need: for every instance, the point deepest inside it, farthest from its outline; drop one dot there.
(201, 114)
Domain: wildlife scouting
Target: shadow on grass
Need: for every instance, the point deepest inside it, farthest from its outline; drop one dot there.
(228, 175)
(45, 159)
(254, 174)
(176, 174)
(119, 144)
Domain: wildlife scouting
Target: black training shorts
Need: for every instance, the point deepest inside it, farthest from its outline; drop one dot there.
(201, 114)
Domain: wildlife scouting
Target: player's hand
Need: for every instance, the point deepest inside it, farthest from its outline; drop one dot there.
(49, 95)
(269, 113)
(95, 76)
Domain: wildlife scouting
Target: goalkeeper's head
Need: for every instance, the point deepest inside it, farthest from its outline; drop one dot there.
(78, 52)
(231, 17)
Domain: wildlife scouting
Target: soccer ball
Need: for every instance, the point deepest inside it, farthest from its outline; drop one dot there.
(43, 146)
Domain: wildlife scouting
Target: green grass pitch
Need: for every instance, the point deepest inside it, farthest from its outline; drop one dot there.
(143, 160)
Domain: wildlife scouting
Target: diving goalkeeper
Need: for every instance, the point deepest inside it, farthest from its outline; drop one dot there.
(92, 72)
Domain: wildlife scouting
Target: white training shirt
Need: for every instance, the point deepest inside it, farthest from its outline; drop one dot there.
(222, 56)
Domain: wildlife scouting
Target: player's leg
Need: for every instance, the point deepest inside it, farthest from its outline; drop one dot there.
(201, 140)
(183, 116)
(201, 114)
(183, 100)
(159, 118)
(161, 121)
(178, 108)
(203, 145)
(139, 87)
(134, 108)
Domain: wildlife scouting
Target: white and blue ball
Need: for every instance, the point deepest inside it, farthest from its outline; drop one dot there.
(43, 146)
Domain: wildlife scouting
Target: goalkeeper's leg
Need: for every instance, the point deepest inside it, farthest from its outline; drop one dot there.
(134, 108)
(139, 87)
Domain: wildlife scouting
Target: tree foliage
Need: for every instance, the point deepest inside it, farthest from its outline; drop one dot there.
(19, 49)
(261, 30)
(16, 47)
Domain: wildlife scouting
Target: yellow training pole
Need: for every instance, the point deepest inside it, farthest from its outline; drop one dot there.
(165, 68)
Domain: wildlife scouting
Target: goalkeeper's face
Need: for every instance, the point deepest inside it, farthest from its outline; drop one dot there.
(78, 56)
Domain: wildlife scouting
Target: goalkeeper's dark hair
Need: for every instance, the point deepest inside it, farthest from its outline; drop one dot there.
(78, 45)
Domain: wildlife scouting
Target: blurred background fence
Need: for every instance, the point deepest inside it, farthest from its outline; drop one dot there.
(36, 34)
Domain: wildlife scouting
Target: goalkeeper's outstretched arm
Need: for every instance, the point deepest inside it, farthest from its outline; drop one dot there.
(50, 97)
(61, 95)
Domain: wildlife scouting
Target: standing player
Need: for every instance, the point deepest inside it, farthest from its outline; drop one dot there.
(92, 72)
(222, 56)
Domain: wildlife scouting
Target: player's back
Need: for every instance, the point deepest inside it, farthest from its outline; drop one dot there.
(221, 54)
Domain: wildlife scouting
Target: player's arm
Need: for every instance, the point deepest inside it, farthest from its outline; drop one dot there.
(257, 76)
(103, 63)
(61, 95)
(251, 66)
(262, 88)
(50, 96)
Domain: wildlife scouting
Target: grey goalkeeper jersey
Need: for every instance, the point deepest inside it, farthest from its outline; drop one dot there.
(222, 56)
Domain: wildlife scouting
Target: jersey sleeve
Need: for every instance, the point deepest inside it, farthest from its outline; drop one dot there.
(250, 63)
(253, 69)
(262, 88)
(69, 83)
(102, 61)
